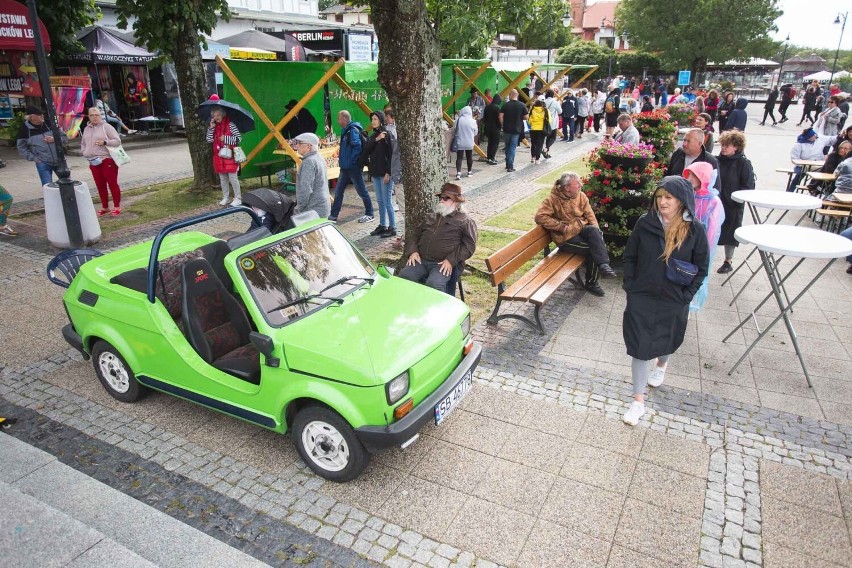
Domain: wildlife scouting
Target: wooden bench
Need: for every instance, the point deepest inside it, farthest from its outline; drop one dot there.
(537, 285)
(836, 213)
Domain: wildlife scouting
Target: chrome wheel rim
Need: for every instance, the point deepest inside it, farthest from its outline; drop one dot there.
(325, 445)
(114, 372)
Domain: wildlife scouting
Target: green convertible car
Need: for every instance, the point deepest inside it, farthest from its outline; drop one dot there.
(295, 332)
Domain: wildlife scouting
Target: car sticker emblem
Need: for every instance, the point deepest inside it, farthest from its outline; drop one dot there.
(247, 263)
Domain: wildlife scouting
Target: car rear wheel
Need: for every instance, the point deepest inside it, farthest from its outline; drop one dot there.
(114, 373)
(328, 445)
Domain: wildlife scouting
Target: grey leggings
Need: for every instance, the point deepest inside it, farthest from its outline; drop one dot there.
(639, 370)
(235, 183)
(729, 251)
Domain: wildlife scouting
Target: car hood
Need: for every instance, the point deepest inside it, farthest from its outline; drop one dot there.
(377, 333)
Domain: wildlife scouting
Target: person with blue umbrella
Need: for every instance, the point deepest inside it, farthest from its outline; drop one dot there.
(227, 121)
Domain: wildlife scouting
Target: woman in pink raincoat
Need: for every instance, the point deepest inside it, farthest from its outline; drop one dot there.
(711, 213)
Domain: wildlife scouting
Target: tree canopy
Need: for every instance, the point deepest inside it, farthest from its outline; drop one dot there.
(689, 33)
(176, 28)
(63, 20)
(466, 29)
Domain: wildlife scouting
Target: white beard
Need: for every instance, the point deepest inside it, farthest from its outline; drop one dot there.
(445, 210)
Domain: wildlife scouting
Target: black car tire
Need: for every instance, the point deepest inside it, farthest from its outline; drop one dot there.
(115, 374)
(328, 445)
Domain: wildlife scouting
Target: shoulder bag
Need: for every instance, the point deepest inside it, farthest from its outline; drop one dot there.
(679, 272)
(117, 153)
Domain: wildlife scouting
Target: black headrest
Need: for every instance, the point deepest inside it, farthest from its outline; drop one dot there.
(199, 278)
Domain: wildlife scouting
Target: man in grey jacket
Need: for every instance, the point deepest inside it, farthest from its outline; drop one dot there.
(312, 182)
(627, 133)
(36, 144)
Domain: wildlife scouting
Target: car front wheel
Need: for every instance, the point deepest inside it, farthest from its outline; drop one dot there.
(328, 445)
(114, 373)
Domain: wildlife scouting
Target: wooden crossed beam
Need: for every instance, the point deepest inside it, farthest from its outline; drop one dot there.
(274, 129)
(513, 83)
(468, 82)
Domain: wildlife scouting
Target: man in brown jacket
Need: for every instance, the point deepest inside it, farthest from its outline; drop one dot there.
(444, 241)
(569, 218)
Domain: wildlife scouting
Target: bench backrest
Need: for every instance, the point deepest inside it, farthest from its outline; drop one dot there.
(508, 259)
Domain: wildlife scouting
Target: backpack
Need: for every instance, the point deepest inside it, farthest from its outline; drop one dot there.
(609, 105)
(346, 140)
(792, 93)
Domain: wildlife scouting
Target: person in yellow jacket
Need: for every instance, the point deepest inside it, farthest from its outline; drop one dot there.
(538, 118)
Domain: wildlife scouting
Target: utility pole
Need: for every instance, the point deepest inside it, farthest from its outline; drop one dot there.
(66, 184)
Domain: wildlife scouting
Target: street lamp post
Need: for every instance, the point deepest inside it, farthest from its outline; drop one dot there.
(783, 58)
(837, 51)
(566, 22)
(604, 23)
(66, 184)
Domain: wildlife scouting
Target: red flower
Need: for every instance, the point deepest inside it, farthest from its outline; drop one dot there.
(597, 173)
(606, 182)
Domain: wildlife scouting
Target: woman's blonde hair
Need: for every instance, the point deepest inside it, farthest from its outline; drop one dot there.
(676, 231)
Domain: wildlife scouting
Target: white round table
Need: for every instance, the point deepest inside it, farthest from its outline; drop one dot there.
(786, 200)
(798, 242)
(781, 200)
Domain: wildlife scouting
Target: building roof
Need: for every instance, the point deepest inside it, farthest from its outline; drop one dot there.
(812, 58)
(753, 62)
(595, 13)
(343, 8)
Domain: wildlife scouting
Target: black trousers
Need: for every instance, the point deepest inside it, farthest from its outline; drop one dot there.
(464, 154)
(493, 144)
(537, 143)
(551, 138)
(782, 109)
(589, 242)
(769, 112)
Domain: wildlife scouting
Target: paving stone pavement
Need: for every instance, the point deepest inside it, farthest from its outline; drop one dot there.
(535, 468)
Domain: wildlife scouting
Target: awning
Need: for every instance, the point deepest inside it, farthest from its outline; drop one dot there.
(251, 53)
(288, 47)
(824, 75)
(101, 46)
(16, 31)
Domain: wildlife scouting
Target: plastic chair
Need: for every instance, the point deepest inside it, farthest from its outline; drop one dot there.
(68, 263)
(456, 279)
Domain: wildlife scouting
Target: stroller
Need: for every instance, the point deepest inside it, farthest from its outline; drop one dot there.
(279, 208)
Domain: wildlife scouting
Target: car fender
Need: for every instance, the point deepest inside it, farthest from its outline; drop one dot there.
(345, 399)
(101, 329)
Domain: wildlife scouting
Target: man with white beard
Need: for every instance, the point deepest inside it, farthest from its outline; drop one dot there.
(444, 241)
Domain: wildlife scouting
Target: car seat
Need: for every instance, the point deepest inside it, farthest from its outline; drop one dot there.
(216, 325)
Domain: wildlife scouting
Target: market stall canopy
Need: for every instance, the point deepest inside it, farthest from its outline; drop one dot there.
(251, 53)
(101, 46)
(16, 31)
(289, 47)
(824, 75)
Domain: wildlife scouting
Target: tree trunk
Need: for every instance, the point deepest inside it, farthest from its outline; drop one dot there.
(190, 72)
(410, 72)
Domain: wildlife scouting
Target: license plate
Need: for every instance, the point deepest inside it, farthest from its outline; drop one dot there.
(449, 402)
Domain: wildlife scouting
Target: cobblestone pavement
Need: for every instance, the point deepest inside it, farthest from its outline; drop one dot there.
(535, 469)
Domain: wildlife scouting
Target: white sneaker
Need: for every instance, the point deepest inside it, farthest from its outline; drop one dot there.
(224, 201)
(634, 413)
(365, 218)
(236, 202)
(469, 174)
(395, 205)
(656, 376)
(458, 176)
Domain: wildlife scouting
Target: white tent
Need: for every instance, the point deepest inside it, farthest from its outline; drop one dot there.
(825, 75)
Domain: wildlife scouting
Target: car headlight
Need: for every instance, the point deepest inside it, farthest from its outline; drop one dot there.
(465, 326)
(397, 388)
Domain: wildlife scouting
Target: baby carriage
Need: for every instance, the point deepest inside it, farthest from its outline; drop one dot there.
(278, 208)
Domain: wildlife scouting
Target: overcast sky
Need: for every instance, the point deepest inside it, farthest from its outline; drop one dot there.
(810, 23)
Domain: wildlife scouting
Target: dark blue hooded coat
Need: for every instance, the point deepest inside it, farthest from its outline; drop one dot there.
(738, 116)
(657, 311)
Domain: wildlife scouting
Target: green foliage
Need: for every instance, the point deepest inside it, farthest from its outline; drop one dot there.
(657, 129)
(689, 33)
(63, 20)
(634, 62)
(545, 29)
(326, 4)
(159, 23)
(587, 53)
(466, 29)
(10, 131)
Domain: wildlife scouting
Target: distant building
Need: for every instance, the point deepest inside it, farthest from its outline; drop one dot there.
(593, 21)
(795, 68)
(348, 15)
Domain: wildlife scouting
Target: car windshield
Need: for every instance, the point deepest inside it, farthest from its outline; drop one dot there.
(303, 273)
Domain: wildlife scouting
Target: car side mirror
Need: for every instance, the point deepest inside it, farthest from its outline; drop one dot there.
(264, 344)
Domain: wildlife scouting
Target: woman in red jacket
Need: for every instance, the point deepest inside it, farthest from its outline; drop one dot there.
(224, 135)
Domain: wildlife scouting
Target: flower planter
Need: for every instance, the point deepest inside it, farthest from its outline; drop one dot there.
(615, 241)
(626, 162)
(648, 121)
(630, 201)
